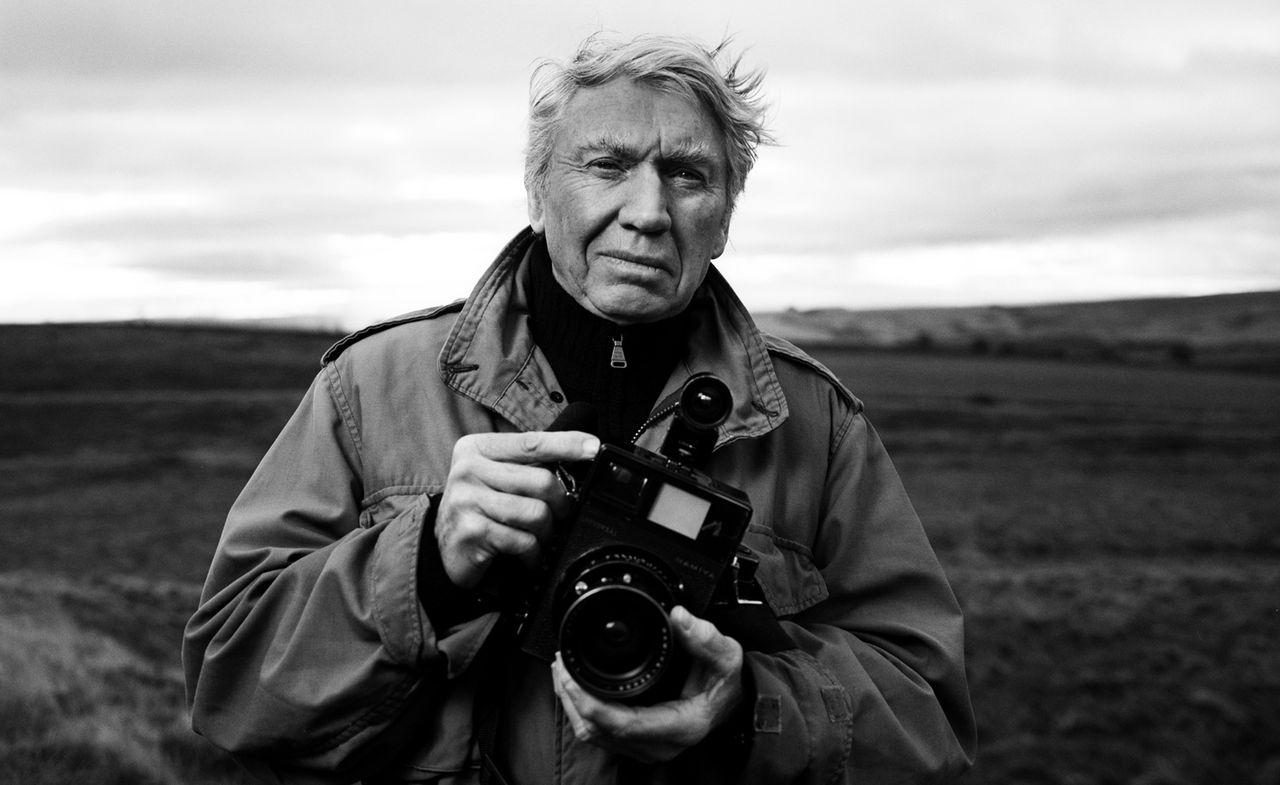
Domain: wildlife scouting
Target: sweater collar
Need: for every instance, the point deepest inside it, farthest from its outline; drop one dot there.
(491, 357)
(559, 321)
(619, 370)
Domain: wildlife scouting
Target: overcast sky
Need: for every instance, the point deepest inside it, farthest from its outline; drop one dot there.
(348, 161)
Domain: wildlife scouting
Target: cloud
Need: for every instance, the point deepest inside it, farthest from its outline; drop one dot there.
(404, 40)
(297, 151)
(256, 264)
(286, 39)
(1175, 259)
(867, 166)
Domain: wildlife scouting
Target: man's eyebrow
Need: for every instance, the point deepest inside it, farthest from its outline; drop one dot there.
(684, 152)
(691, 155)
(612, 145)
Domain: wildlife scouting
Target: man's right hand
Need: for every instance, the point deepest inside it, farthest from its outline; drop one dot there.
(500, 497)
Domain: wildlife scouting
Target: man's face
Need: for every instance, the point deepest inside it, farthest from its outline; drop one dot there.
(636, 203)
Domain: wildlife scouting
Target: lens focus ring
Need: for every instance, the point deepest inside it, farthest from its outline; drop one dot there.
(615, 636)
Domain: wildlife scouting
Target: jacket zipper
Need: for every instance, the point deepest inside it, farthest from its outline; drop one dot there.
(617, 358)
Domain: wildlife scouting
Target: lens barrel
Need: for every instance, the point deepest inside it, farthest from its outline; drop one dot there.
(615, 636)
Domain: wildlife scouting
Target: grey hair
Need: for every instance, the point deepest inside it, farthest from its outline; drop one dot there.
(712, 77)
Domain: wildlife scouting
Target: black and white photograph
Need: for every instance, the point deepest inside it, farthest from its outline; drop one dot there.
(483, 393)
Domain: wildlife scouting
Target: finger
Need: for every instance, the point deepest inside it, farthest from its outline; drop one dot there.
(475, 530)
(531, 482)
(498, 526)
(533, 447)
(497, 538)
(509, 511)
(705, 642)
(648, 734)
(468, 506)
(536, 482)
(467, 557)
(568, 692)
(603, 717)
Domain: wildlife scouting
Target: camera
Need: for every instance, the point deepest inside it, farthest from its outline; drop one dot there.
(648, 532)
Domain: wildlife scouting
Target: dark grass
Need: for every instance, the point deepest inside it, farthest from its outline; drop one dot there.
(127, 356)
(1113, 534)
(156, 516)
(104, 703)
(880, 378)
(69, 762)
(1078, 507)
(1117, 671)
(141, 422)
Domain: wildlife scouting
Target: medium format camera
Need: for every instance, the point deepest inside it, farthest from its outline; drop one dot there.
(649, 531)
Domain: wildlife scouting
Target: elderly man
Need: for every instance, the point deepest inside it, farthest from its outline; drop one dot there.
(345, 632)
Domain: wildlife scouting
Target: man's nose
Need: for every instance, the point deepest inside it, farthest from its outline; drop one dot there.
(644, 208)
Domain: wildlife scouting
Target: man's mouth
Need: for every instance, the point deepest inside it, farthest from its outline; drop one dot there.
(653, 262)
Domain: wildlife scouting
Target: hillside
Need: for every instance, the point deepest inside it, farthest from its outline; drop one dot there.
(1234, 331)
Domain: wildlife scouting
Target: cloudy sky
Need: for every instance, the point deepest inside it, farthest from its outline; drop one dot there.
(344, 162)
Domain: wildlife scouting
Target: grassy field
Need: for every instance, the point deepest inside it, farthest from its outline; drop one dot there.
(1113, 534)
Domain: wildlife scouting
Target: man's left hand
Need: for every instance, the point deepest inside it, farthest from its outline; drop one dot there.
(658, 733)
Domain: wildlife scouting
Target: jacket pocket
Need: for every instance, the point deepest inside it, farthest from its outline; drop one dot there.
(440, 747)
(787, 575)
(391, 502)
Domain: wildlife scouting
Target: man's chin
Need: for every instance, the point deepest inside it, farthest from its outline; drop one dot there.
(637, 306)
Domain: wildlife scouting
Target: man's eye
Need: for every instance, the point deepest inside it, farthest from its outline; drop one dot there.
(690, 176)
(605, 165)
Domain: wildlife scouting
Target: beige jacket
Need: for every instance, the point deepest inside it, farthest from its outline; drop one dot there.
(311, 658)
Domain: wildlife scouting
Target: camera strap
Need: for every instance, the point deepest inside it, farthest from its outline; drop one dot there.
(486, 715)
(739, 608)
(752, 625)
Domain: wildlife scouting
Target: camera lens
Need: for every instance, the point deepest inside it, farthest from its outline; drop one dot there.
(615, 637)
(705, 401)
(620, 640)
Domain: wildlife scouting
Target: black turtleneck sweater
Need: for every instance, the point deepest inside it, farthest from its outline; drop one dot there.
(579, 345)
(581, 349)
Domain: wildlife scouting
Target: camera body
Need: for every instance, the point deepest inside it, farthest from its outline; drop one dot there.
(649, 532)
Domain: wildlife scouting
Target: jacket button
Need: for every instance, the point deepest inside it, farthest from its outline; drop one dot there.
(557, 396)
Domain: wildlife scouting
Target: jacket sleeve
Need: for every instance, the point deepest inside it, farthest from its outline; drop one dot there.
(310, 654)
(874, 690)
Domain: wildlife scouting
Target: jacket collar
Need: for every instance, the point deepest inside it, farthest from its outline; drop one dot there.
(490, 356)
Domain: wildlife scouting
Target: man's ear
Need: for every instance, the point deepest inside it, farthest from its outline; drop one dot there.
(534, 203)
(722, 238)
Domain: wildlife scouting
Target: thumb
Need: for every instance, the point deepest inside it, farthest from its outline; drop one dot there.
(704, 642)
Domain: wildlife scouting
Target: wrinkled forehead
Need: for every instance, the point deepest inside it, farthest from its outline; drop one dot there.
(623, 114)
(625, 92)
(683, 148)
